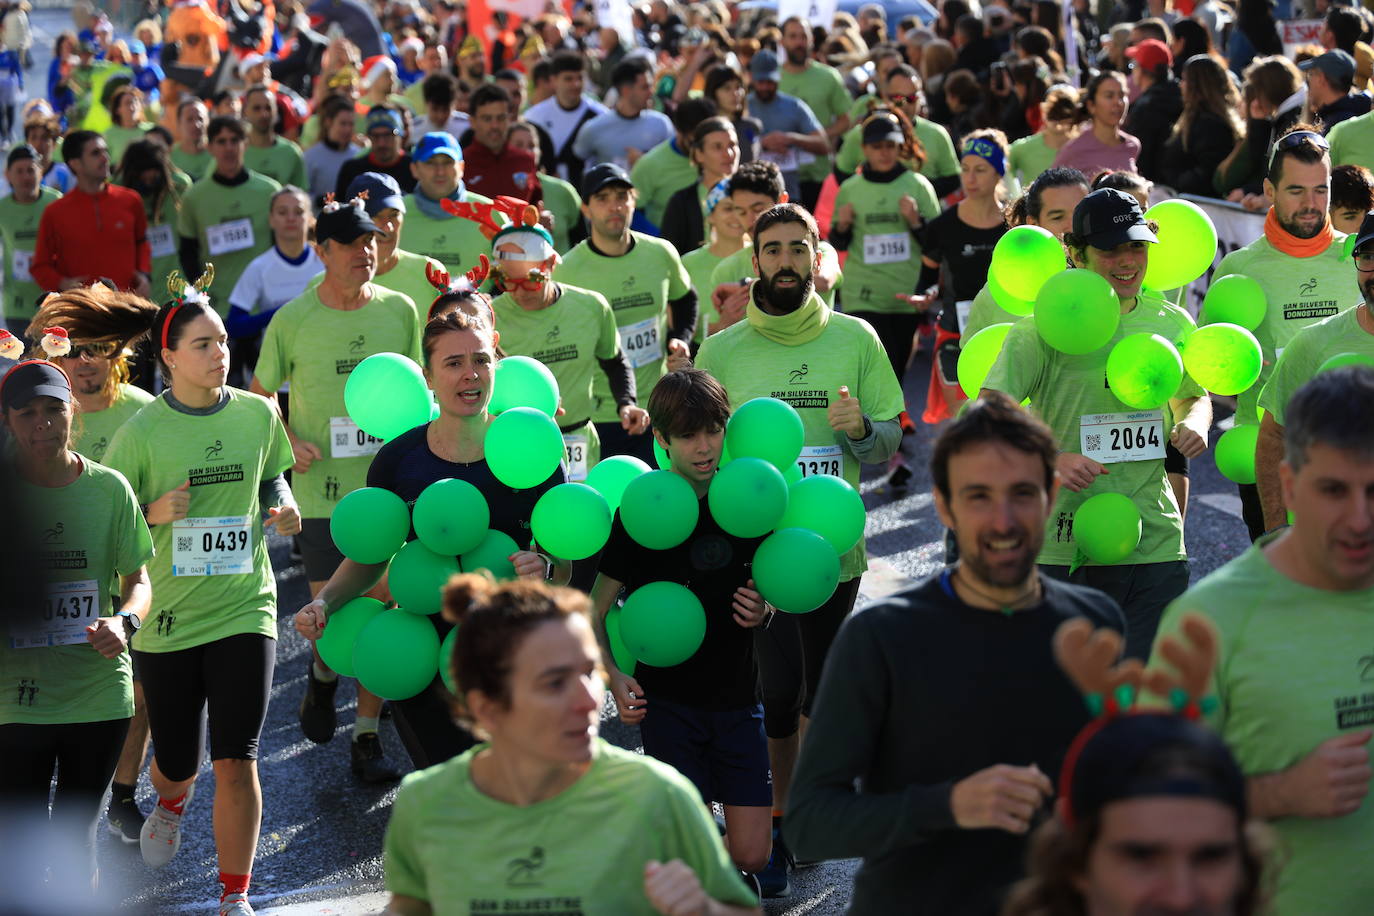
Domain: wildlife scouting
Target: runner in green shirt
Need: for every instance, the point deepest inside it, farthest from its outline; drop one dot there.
(429, 229)
(650, 293)
(403, 271)
(902, 92)
(667, 168)
(207, 461)
(821, 87)
(1110, 237)
(1302, 601)
(20, 212)
(191, 153)
(66, 672)
(147, 169)
(1352, 141)
(267, 153)
(726, 235)
(1030, 156)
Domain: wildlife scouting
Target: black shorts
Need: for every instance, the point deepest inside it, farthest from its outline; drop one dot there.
(723, 752)
(792, 650)
(1174, 460)
(232, 675)
(318, 552)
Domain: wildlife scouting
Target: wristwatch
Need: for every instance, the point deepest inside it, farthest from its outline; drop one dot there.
(131, 623)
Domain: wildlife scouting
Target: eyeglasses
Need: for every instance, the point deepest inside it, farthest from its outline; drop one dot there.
(99, 350)
(1364, 261)
(905, 99)
(1295, 139)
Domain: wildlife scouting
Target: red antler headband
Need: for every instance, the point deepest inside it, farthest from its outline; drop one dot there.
(468, 283)
(184, 293)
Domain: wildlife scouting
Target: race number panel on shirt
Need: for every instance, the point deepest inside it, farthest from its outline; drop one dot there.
(575, 457)
(888, 248)
(640, 343)
(212, 546)
(227, 237)
(821, 459)
(68, 608)
(162, 241)
(20, 262)
(786, 161)
(346, 440)
(1109, 438)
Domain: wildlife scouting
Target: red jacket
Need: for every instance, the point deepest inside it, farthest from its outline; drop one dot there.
(513, 173)
(92, 236)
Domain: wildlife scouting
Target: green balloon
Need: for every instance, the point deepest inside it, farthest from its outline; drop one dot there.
(571, 521)
(659, 510)
(747, 498)
(1341, 360)
(610, 477)
(369, 525)
(662, 624)
(1006, 301)
(796, 570)
(451, 516)
(417, 577)
(978, 355)
(396, 655)
(341, 633)
(445, 661)
(520, 381)
(1187, 244)
(766, 428)
(1235, 453)
(433, 406)
(792, 474)
(620, 653)
(523, 447)
(828, 506)
(1025, 257)
(1144, 371)
(1077, 312)
(1235, 299)
(493, 555)
(386, 395)
(1107, 528)
(661, 456)
(1223, 358)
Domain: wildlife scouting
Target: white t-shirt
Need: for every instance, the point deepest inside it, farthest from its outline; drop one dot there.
(270, 281)
(458, 124)
(559, 122)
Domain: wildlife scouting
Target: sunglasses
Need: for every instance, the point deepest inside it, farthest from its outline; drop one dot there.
(1296, 139)
(905, 99)
(100, 350)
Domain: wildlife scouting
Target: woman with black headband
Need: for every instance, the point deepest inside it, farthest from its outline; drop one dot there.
(206, 461)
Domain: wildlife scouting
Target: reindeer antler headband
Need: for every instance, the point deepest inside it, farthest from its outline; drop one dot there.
(184, 293)
(522, 239)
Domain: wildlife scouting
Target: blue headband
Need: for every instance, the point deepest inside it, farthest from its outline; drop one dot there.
(985, 149)
(717, 193)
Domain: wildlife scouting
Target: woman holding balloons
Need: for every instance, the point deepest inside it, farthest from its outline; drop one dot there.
(206, 462)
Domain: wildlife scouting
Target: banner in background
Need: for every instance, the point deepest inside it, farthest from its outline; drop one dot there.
(816, 12)
(616, 14)
(1236, 228)
(1295, 32)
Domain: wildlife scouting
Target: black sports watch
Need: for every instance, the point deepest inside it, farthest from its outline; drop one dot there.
(131, 623)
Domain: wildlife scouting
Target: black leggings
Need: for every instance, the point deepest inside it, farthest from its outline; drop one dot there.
(897, 331)
(232, 675)
(85, 754)
(792, 650)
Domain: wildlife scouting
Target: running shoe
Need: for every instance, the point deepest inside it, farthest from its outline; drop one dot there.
(161, 836)
(235, 905)
(318, 717)
(899, 474)
(125, 819)
(772, 880)
(369, 760)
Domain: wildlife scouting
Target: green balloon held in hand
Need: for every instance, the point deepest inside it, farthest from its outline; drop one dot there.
(766, 428)
(1223, 358)
(341, 633)
(451, 516)
(620, 653)
(1007, 302)
(610, 477)
(417, 577)
(445, 663)
(659, 510)
(1025, 257)
(1107, 528)
(520, 381)
(747, 498)
(386, 395)
(523, 447)
(369, 525)
(493, 555)
(1341, 360)
(1144, 371)
(1235, 299)
(662, 624)
(1235, 453)
(396, 655)
(796, 570)
(828, 506)
(1187, 244)
(1077, 312)
(571, 521)
(978, 355)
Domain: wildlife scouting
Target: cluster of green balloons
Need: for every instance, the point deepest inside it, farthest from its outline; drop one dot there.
(1235, 453)
(1023, 260)
(1107, 528)
(1077, 311)
(523, 447)
(1187, 244)
(1144, 371)
(386, 395)
(520, 381)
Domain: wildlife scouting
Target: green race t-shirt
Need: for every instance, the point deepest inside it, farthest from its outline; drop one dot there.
(1298, 291)
(582, 851)
(282, 162)
(561, 199)
(941, 160)
(230, 222)
(821, 87)
(739, 267)
(1352, 141)
(1305, 353)
(884, 256)
(983, 313)
(1294, 670)
(316, 348)
(97, 430)
(1070, 393)
(455, 242)
(808, 376)
(211, 576)
(162, 231)
(117, 140)
(639, 285)
(408, 277)
(92, 533)
(658, 175)
(19, 231)
(1028, 157)
(701, 265)
(197, 165)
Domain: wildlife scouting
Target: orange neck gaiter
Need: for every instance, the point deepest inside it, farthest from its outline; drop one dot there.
(1293, 246)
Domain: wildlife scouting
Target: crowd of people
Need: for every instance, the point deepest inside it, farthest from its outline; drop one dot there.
(209, 223)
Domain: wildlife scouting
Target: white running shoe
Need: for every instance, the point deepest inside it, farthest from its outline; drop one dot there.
(235, 905)
(161, 836)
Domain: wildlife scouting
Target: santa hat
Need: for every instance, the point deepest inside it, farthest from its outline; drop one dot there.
(374, 67)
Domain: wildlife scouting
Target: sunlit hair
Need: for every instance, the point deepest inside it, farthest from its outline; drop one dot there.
(98, 315)
(449, 320)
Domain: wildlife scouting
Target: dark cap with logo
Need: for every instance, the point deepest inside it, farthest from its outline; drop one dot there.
(882, 128)
(602, 176)
(383, 192)
(1336, 65)
(1108, 217)
(21, 152)
(344, 224)
(31, 379)
(1364, 235)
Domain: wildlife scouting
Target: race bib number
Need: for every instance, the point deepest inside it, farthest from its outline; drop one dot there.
(212, 546)
(234, 235)
(641, 343)
(346, 440)
(163, 243)
(1110, 438)
(962, 309)
(20, 262)
(785, 161)
(888, 248)
(68, 608)
(821, 459)
(575, 457)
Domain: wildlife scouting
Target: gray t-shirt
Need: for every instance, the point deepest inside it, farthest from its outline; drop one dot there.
(607, 137)
(790, 114)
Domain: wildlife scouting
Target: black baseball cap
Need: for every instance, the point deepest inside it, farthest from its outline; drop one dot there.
(31, 379)
(1365, 234)
(344, 224)
(1108, 217)
(881, 128)
(602, 176)
(383, 192)
(21, 152)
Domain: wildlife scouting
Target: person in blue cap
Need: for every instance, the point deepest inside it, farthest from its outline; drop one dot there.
(437, 165)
